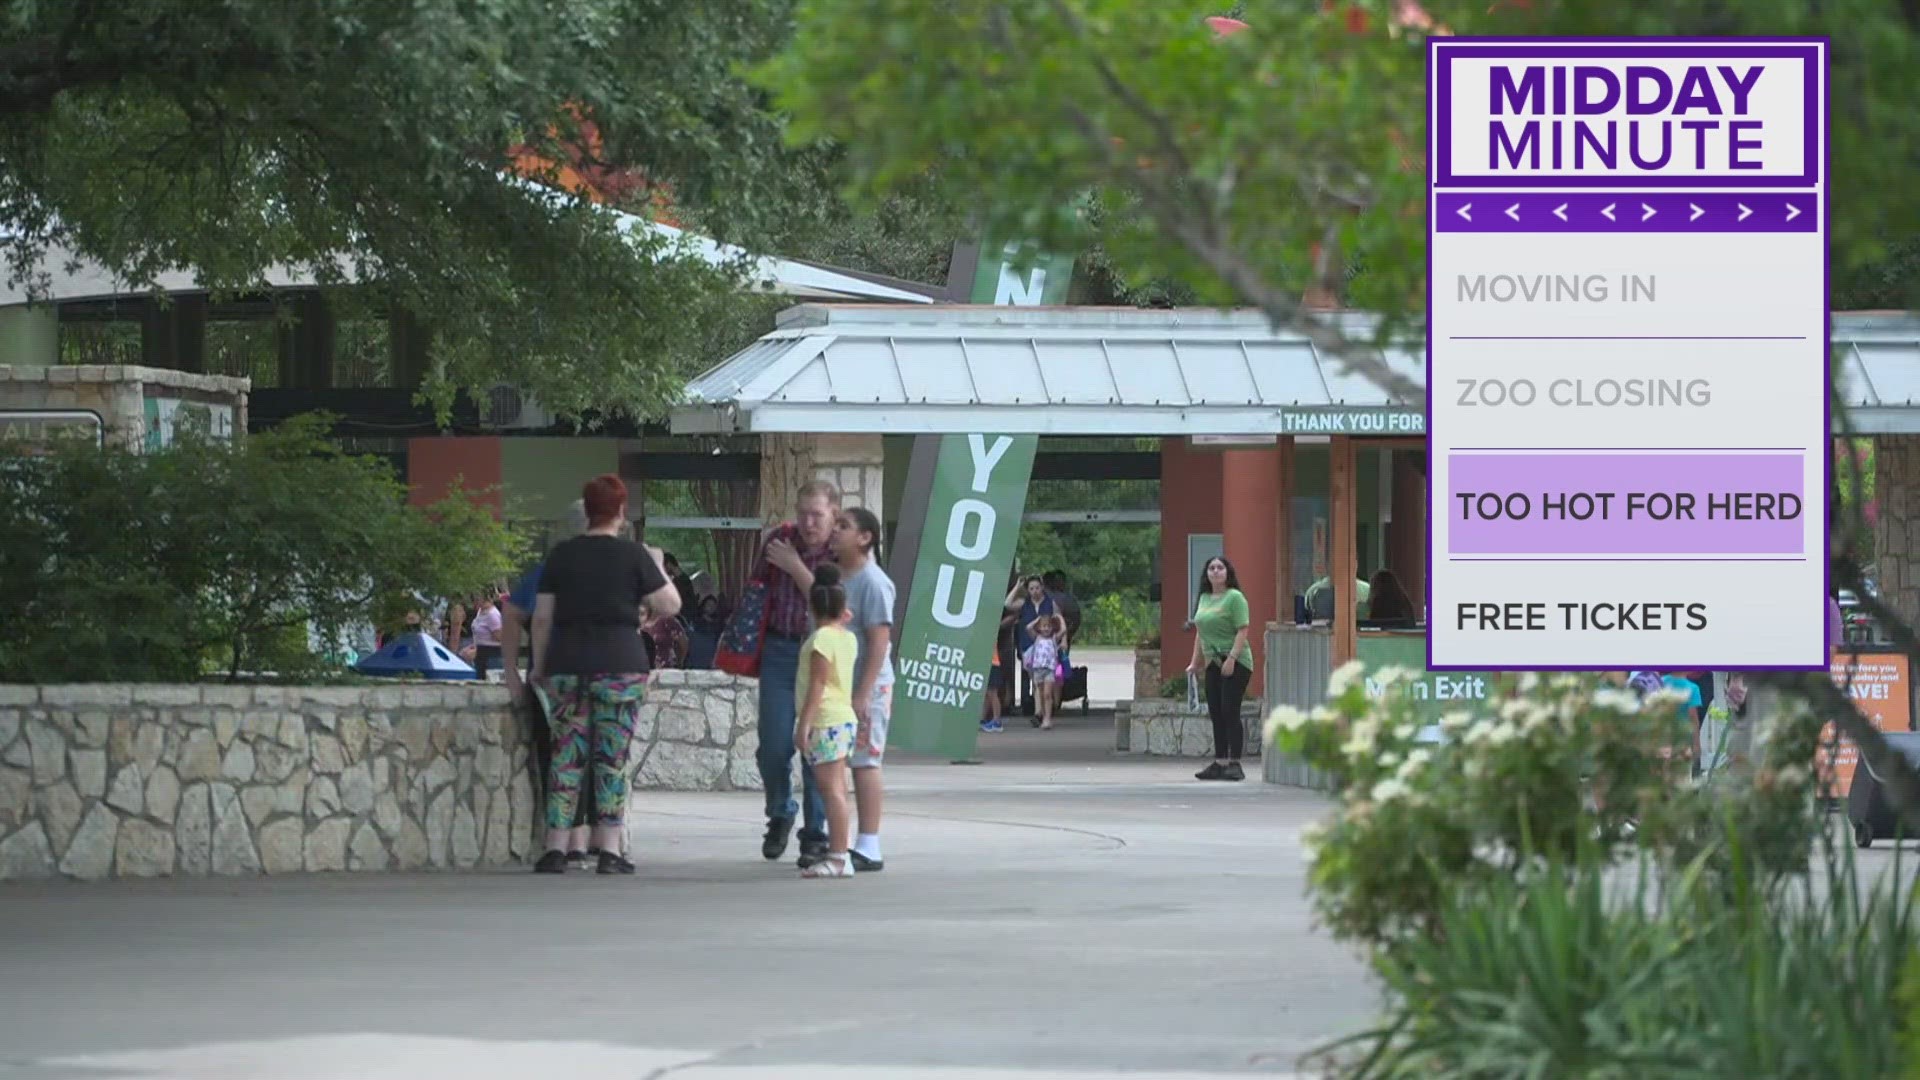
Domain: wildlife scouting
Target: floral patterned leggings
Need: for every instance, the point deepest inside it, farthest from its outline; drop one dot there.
(593, 722)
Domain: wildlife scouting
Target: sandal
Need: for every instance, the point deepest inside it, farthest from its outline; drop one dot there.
(836, 864)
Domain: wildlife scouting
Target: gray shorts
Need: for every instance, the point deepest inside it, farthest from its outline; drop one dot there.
(867, 755)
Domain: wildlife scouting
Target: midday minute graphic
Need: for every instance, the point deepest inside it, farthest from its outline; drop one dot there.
(1628, 349)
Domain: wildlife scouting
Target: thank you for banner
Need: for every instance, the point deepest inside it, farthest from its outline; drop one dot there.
(946, 644)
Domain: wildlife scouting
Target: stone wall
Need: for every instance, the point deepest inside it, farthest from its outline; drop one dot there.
(102, 781)
(136, 405)
(1164, 728)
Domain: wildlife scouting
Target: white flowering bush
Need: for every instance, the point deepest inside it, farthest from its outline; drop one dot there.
(1552, 767)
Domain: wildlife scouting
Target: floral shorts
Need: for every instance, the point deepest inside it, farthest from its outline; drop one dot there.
(830, 742)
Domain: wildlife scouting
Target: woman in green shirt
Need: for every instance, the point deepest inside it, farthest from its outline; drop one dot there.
(1220, 619)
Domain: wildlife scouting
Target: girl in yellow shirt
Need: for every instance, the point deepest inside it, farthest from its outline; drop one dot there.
(825, 728)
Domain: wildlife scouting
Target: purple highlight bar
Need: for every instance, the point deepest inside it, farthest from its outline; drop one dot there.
(1538, 476)
(1625, 212)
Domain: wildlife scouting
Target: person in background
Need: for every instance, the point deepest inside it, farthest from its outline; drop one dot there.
(1387, 601)
(1068, 606)
(1703, 683)
(1008, 658)
(703, 638)
(588, 654)
(997, 675)
(667, 641)
(513, 627)
(1028, 600)
(869, 599)
(795, 549)
(487, 624)
(1689, 717)
(1223, 658)
(681, 581)
(1319, 597)
(827, 727)
(1042, 661)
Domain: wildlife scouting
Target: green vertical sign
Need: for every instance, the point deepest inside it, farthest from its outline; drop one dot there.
(967, 493)
(978, 496)
(1021, 275)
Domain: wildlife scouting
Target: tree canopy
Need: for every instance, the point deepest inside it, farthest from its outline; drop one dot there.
(1286, 159)
(373, 139)
(1280, 160)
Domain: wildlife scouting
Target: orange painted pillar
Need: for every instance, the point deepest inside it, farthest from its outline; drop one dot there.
(1189, 504)
(1250, 488)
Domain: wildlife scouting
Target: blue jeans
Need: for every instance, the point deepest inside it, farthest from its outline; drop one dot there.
(779, 668)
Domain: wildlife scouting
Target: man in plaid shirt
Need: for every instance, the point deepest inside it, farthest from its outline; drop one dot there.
(792, 550)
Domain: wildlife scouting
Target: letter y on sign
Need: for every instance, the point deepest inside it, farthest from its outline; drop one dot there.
(984, 459)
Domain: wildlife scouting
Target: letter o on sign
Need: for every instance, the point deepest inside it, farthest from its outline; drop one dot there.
(957, 544)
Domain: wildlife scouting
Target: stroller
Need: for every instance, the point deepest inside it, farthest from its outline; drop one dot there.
(1868, 808)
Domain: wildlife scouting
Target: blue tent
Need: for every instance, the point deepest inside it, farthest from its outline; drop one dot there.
(418, 655)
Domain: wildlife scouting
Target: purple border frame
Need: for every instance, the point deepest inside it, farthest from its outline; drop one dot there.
(1811, 173)
(1820, 51)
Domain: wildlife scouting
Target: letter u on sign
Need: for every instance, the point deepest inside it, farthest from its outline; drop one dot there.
(957, 544)
(943, 612)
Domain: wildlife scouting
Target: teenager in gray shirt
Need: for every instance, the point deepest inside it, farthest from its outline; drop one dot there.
(856, 547)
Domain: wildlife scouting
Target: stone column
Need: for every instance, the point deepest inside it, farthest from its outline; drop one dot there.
(856, 464)
(1896, 535)
(786, 462)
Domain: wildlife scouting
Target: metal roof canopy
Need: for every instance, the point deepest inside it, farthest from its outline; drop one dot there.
(1879, 373)
(863, 368)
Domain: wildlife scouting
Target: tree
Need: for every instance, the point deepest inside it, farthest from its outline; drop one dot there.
(1286, 159)
(373, 139)
(161, 565)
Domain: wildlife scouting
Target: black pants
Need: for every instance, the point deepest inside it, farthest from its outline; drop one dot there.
(1224, 695)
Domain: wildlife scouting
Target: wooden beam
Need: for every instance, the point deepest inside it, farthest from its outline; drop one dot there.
(306, 344)
(1343, 560)
(407, 341)
(1096, 464)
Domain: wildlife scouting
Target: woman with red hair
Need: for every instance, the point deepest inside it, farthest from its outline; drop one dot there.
(588, 653)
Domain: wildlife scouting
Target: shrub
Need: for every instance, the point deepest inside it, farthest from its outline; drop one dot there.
(1554, 765)
(1119, 619)
(142, 567)
(1563, 973)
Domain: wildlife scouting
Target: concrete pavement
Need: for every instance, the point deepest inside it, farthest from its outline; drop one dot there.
(1109, 675)
(1053, 911)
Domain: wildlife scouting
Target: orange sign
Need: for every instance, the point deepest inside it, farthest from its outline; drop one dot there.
(1880, 687)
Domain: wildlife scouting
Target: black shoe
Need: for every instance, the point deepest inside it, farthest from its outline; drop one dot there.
(864, 865)
(775, 843)
(1212, 772)
(1234, 772)
(553, 862)
(811, 851)
(614, 864)
(576, 860)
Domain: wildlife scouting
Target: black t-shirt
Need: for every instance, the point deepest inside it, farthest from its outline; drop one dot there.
(597, 584)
